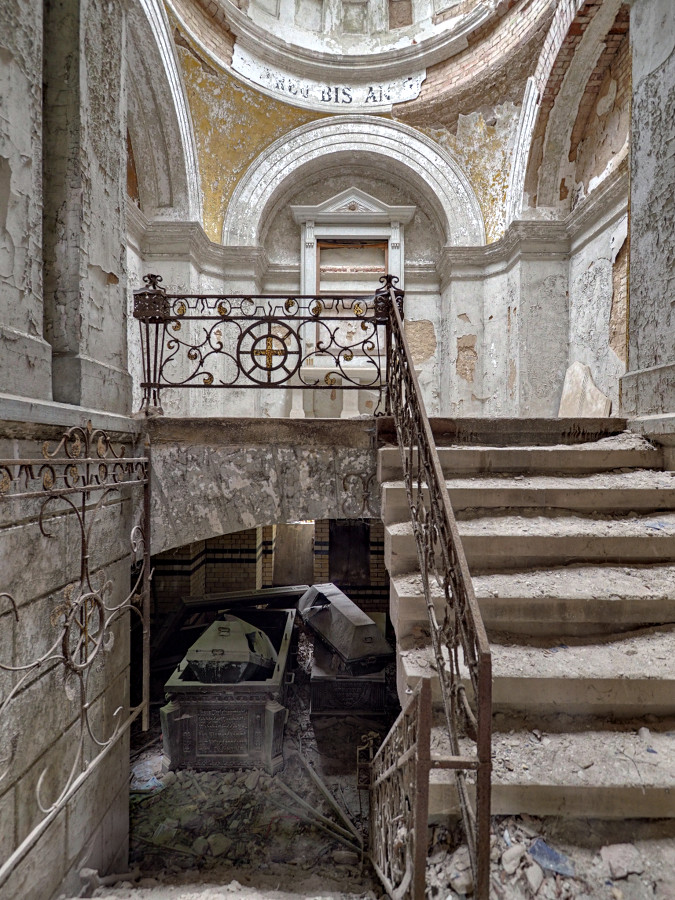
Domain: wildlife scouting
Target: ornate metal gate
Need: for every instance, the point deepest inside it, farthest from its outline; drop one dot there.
(76, 479)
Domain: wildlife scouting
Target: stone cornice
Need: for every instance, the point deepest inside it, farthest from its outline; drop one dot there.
(523, 238)
(187, 241)
(549, 238)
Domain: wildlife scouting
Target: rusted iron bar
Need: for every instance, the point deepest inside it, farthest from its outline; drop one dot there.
(441, 557)
(399, 804)
(259, 341)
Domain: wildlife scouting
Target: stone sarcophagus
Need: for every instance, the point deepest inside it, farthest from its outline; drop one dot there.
(212, 720)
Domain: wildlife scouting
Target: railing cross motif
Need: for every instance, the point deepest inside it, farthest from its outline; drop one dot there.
(269, 353)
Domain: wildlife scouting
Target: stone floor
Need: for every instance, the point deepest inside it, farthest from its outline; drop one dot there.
(245, 834)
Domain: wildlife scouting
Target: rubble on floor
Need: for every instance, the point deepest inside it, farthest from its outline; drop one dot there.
(558, 859)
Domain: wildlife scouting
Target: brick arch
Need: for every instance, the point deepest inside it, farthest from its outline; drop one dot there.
(578, 43)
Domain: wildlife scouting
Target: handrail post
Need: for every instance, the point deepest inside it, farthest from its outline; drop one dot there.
(153, 311)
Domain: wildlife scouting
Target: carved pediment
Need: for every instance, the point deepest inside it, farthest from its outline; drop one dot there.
(353, 205)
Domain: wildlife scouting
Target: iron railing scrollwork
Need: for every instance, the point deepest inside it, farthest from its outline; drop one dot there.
(309, 343)
(458, 636)
(259, 341)
(75, 480)
(399, 799)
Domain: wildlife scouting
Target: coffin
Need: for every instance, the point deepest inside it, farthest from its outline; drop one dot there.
(232, 724)
(231, 650)
(346, 629)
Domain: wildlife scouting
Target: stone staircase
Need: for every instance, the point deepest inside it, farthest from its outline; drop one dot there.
(572, 553)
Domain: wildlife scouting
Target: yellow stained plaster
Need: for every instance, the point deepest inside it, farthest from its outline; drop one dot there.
(233, 124)
(484, 152)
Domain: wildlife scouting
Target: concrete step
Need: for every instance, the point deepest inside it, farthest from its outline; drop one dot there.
(605, 772)
(565, 600)
(628, 451)
(498, 543)
(626, 676)
(640, 490)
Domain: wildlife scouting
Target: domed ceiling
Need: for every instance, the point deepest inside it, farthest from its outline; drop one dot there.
(338, 55)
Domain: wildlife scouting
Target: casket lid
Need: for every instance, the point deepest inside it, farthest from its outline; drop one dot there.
(345, 627)
(230, 639)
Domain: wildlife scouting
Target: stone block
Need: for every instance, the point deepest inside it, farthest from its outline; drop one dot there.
(580, 397)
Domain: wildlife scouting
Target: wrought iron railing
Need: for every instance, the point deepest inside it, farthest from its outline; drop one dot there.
(260, 341)
(399, 799)
(460, 645)
(74, 480)
(218, 341)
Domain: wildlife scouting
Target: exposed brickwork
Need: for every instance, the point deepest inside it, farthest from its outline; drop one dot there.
(373, 597)
(269, 538)
(321, 550)
(231, 562)
(618, 324)
(601, 130)
(178, 573)
(207, 19)
(495, 66)
(567, 28)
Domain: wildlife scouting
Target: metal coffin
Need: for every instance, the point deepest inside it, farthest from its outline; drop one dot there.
(346, 629)
(207, 725)
(231, 650)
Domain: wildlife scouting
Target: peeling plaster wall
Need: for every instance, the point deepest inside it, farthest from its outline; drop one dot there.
(232, 124)
(597, 311)
(213, 478)
(606, 137)
(505, 324)
(85, 177)
(25, 357)
(483, 143)
(649, 388)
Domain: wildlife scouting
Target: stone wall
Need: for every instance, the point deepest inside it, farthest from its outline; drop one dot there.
(84, 166)
(42, 727)
(217, 476)
(649, 387)
(62, 336)
(25, 357)
(598, 290)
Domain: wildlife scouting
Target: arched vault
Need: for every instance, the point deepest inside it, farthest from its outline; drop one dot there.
(385, 147)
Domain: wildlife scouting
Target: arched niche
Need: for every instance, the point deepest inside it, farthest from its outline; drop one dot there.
(384, 147)
(158, 118)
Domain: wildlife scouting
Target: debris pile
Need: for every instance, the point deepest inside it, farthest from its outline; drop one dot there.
(526, 864)
(280, 827)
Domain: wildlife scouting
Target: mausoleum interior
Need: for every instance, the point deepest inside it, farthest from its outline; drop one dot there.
(337, 432)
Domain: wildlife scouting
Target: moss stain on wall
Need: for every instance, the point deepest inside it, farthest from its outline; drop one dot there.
(484, 147)
(233, 124)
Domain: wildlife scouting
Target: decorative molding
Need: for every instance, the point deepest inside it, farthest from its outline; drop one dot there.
(342, 93)
(157, 19)
(391, 147)
(164, 240)
(353, 206)
(521, 154)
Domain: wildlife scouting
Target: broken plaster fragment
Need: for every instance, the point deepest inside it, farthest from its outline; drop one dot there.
(622, 860)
